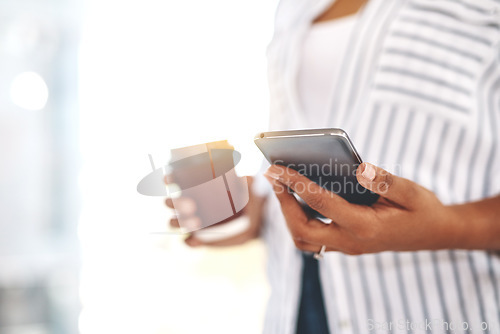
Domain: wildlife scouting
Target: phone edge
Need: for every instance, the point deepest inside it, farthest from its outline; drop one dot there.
(308, 133)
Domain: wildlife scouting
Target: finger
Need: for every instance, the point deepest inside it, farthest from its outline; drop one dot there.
(192, 241)
(301, 227)
(325, 202)
(313, 248)
(235, 240)
(184, 206)
(290, 207)
(396, 189)
(174, 222)
(191, 223)
(231, 241)
(169, 203)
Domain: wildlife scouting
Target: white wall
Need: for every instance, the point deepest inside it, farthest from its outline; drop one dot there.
(155, 75)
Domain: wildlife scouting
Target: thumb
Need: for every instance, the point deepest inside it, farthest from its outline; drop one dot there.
(396, 189)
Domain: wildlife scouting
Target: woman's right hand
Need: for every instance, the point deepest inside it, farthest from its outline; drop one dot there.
(185, 207)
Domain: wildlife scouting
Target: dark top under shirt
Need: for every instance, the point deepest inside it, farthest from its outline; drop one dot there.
(312, 317)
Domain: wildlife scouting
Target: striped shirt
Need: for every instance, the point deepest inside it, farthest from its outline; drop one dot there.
(419, 95)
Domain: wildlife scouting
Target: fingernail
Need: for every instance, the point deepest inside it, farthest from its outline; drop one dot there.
(274, 172)
(369, 172)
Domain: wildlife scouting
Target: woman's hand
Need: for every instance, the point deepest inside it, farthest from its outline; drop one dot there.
(406, 217)
(186, 208)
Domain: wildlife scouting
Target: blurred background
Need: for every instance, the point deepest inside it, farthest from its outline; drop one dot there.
(89, 88)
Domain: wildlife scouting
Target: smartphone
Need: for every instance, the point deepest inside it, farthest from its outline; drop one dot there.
(326, 156)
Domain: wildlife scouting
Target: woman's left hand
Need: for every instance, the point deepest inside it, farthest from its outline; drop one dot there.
(406, 217)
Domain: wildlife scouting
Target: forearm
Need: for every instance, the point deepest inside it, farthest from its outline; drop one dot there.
(479, 223)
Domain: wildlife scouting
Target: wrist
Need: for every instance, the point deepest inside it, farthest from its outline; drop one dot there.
(476, 225)
(460, 234)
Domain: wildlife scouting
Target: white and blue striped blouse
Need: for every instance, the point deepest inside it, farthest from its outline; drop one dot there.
(419, 94)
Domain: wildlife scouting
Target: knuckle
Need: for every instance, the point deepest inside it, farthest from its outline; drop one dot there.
(316, 202)
(293, 181)
(299, 244)
(388, 179)
(385, 183)
(299, 233)
(413, 190)
(366, 232)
